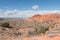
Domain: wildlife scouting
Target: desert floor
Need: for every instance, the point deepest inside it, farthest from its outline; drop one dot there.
(45, 37)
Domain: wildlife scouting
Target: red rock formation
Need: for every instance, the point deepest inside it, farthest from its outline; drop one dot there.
(46, 17)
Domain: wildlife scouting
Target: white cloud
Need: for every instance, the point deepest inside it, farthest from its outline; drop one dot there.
(35, 7)
(24, 14)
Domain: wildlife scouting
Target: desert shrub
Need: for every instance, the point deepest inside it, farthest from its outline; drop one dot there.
(41, 30)
(6, 25)
(18, 34)
(31, 33)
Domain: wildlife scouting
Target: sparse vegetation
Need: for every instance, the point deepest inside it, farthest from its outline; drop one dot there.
(18, 28)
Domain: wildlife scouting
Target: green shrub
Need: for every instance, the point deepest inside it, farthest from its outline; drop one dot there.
(40, 30)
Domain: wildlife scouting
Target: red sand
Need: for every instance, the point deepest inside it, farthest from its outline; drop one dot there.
(43, 38)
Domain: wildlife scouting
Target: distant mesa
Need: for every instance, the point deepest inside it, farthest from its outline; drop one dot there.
(45, 17)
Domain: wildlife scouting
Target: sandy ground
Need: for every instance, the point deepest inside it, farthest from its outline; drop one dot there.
(34, 38)
(43, 38)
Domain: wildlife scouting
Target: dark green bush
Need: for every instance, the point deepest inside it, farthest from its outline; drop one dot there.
(6, 25)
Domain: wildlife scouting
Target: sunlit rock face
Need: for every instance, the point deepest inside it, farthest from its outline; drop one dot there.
(46, 17)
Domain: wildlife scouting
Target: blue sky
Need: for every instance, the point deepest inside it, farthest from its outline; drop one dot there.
(33, 6)
(27, 4)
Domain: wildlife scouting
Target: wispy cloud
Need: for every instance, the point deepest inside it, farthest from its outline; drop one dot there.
(24, 14)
